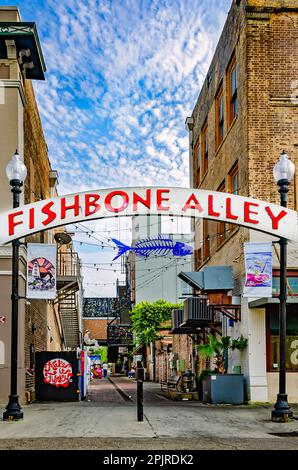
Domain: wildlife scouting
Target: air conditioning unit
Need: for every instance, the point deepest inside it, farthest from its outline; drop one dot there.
(177, 317)
(196, 312)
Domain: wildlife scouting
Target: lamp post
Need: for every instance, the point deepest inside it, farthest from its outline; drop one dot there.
(16, 172)
(283, 173)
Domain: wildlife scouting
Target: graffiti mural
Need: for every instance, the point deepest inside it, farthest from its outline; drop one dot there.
(99, 306)
(57, 372)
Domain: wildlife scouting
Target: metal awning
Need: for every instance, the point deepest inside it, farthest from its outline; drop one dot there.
(264, 301)
(210, 278)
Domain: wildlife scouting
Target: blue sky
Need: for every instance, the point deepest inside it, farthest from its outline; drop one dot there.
(122, 76)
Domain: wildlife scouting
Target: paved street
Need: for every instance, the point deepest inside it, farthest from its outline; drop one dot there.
(107, 420)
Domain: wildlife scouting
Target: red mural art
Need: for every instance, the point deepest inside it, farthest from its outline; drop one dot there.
(57, 372)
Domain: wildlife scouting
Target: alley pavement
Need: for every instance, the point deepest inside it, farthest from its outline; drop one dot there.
(108, 420)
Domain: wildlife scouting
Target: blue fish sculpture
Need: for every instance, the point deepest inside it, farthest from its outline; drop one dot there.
(154, 246)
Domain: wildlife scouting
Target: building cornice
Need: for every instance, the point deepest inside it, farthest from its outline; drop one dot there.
(10, 83)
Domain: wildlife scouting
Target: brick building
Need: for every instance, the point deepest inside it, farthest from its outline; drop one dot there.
(246, 114)
(43, 324)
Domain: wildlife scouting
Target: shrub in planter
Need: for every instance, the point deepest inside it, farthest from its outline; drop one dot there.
(217, 349)
(220, 387)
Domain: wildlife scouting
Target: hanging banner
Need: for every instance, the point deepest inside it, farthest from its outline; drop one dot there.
(41, 271)
(258, 270)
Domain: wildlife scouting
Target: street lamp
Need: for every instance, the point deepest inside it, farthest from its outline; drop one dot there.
(283, 173)
(16, 173)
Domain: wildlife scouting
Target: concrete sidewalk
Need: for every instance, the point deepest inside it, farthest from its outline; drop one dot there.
(187, 424)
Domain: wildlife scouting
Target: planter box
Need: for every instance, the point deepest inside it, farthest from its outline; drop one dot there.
(224, 388)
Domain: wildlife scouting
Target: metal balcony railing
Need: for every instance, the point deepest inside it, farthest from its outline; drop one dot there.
(68, 264)
(119, 335)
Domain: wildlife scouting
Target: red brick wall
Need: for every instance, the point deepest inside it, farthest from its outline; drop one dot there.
(97, 328)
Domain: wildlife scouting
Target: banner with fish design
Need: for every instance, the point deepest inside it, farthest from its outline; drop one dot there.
(41, 271)
(157, 246)
(258, 267)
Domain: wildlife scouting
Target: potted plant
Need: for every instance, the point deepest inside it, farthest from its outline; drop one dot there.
(221, 387)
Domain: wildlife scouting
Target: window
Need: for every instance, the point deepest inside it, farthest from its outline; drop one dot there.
(232, 80)
(221, 226)
(234, 179)
(204, 149)
(198, 242)
(206, 240)
(272, 320)
(219, 117)
(197, 163)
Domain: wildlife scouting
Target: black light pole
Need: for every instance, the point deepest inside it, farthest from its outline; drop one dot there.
(16, 173)
(283, 172)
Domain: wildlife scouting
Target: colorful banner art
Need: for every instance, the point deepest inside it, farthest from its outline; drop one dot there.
(41, 271)
(57, 372)
(258, 267)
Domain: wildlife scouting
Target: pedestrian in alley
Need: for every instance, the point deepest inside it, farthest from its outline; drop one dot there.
(105, 370)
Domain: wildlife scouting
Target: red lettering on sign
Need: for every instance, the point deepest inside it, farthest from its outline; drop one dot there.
(192, 203)
(146, 202)
(211, 211)
(160, 199)
(75, 206)
(12, 223)
(248, 211)
(229, 214)
(109, 198)
(275, 218)
(91, 201)
(51, 215)
(31, 217)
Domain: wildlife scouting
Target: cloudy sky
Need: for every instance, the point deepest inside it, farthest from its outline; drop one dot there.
(122, 76)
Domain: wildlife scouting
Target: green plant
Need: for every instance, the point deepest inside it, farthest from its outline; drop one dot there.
(147, 317)
(218, 348)
(102, 351)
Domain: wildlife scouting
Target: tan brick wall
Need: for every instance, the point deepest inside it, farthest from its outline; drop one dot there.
(264, 36)
(273, 116)
(43, 327)
(266, 47)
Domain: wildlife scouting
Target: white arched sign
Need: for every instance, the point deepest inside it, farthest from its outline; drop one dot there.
(72, 208)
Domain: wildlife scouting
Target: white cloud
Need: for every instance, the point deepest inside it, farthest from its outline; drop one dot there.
(121, 79)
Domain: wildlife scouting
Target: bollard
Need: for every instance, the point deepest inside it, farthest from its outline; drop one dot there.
(140, 399)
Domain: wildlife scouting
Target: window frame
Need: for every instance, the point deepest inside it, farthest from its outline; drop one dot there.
(269, 368)
(197, 160)
(204, 149)
(232, 95)
(231, 175)
(219, 119)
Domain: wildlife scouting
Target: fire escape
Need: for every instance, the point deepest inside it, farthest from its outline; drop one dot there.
(68, 284)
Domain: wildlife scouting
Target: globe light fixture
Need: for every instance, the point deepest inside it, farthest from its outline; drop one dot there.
(284, 169)
(15, 169)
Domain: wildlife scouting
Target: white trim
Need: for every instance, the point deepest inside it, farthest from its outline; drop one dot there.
(13, 83)
(8, 273)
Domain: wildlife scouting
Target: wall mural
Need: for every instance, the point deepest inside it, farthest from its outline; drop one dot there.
(57, 372)
(99, 306)
(156, 246)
